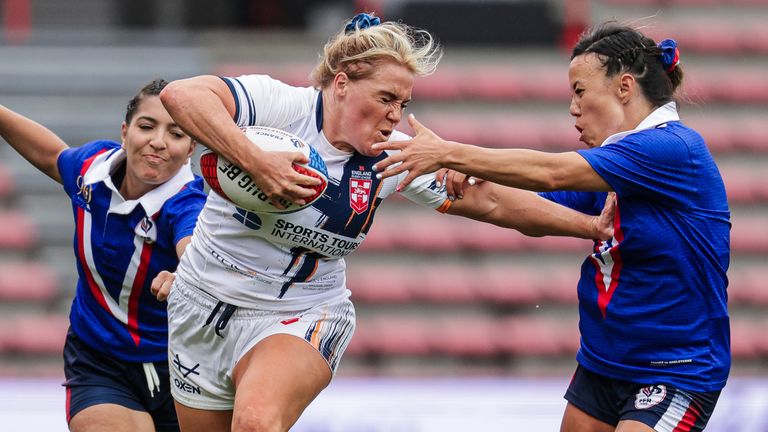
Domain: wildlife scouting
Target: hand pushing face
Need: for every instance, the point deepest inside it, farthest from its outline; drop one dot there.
(366, 111)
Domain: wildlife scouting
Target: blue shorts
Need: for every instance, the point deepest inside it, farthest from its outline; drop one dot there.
(660, 406)
(94, 378)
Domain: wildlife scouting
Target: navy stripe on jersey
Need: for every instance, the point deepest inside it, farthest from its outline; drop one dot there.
(319, 112)
(337, 202)
(305, 272)
(231, 86)
(376, 202)
(251, 106)
(240, 89)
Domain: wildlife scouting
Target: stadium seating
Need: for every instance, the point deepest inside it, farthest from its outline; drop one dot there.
(506, 283)
(749, 235)
(40, 334)
(558, 133)
(509, 336)
(539, 336)
(748, 286)
(511, 82)
(428, 288)
(714, 36)
(468, 337)
(27, 281)
(747, 341)
(394, 336)
(7, 182)
(427, 233)
(745, 186)
(462, 284)
(462, 336)
(702, 3)
(379, 284)
(17, 232)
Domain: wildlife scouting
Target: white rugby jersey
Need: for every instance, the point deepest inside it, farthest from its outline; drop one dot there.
(296, 260)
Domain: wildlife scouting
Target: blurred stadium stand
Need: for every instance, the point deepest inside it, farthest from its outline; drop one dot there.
(435, 295)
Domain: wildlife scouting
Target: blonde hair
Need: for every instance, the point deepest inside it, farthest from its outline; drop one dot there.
(357, 50)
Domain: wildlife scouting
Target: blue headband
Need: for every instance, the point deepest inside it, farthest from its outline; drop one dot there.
(361, 21)
(670, 55)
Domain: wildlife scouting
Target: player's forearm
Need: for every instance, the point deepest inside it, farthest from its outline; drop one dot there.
(201, 113)
(525, 169)
(537, 217)
(523, 211)
(519, 168)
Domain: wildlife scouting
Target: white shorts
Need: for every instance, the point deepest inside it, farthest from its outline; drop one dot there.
(202, 357)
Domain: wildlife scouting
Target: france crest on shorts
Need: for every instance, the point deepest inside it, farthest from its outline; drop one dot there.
(650, 396)
(360, 189)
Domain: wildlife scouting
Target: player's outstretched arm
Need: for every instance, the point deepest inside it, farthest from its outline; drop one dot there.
(519, 168)
(203, 106)
(33, 141)
(531, 214)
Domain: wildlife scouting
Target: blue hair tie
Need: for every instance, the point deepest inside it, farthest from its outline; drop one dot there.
(361, 21)
(670, 54)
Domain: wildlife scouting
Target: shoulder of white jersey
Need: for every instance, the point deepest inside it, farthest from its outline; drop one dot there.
(258, 99)
(265, 79)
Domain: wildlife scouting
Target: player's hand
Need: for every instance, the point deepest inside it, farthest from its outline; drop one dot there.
(419, 155)
(455, 182)
(161, 285)
(273, 173)
(603, 224)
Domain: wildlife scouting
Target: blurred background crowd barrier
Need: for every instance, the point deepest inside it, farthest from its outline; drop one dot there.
(437, 296)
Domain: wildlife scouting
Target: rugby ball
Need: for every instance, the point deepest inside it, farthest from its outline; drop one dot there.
(236, 186)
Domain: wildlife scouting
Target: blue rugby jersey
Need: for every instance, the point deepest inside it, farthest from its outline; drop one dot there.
(120, 246)
(653, 300)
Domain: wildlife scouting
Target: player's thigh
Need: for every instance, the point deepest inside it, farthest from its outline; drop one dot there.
(633, 426)
(275, 381)
(576, 420)
(111, 418)
(200, 420)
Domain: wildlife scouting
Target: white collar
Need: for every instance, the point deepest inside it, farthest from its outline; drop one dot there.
(663, 114)
(107, 163)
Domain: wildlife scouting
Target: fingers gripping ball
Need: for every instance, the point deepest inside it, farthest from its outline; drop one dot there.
(236, 186)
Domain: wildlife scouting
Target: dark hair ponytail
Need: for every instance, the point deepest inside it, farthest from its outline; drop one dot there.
(623, 49)
(151, 89)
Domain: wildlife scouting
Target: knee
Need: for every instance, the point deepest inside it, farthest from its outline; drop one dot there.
(258, 420)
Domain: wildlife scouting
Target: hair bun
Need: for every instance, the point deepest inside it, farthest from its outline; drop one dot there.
(670, 54)
(361, 21)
